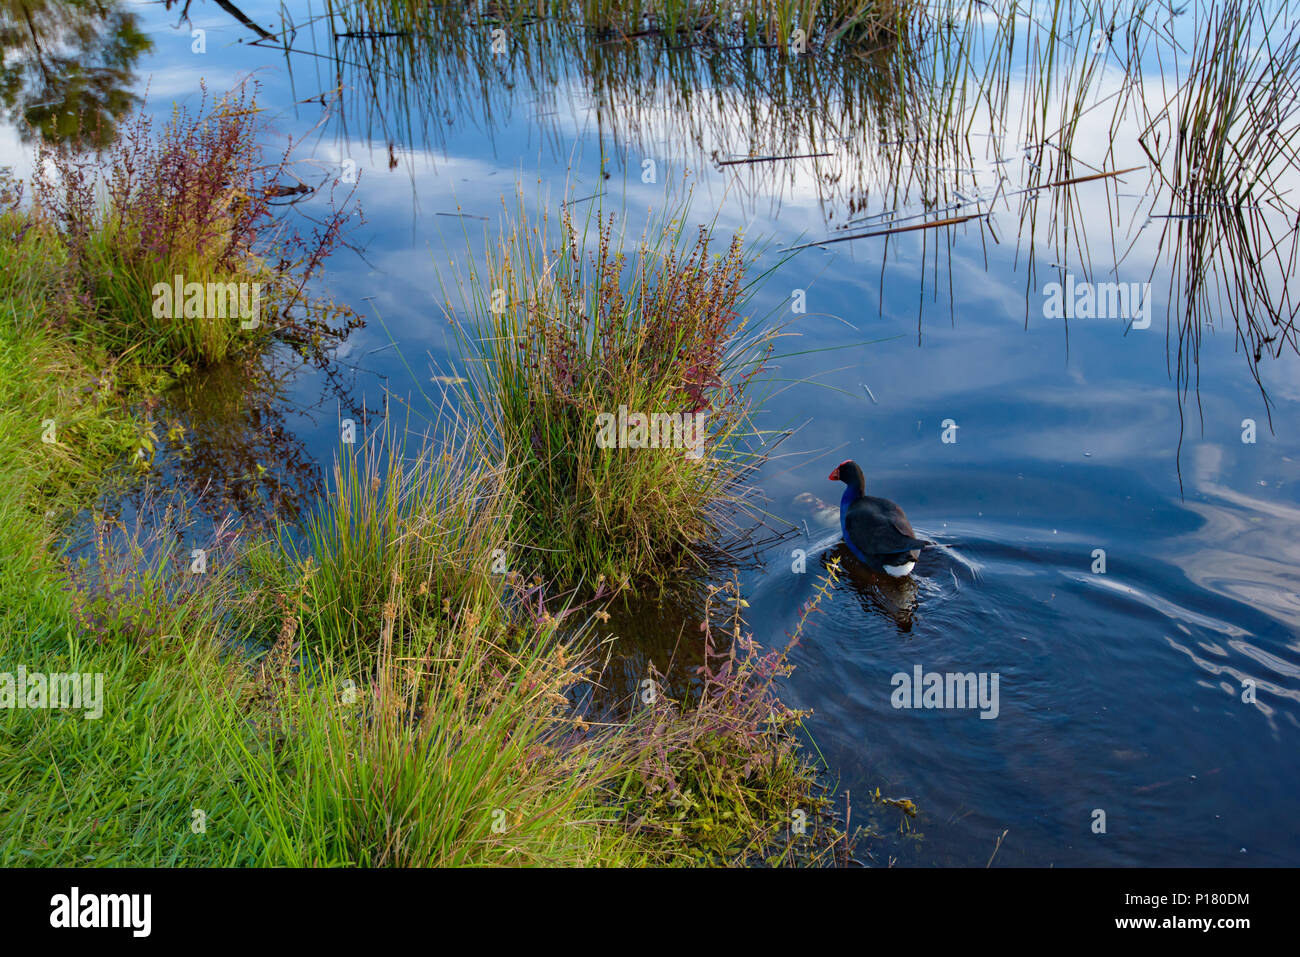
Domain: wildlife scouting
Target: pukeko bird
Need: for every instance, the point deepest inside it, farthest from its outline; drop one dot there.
(875, 529)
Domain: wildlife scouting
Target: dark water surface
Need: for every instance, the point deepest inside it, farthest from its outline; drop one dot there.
(1120, 692)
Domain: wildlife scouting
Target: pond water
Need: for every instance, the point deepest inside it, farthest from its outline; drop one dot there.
(1021, 442)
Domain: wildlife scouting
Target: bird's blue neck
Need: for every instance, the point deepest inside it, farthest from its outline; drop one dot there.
(851, 494)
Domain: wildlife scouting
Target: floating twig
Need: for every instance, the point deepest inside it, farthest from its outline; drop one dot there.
(372, 34)
(772, 159)
(1076, 179)
(933, 224)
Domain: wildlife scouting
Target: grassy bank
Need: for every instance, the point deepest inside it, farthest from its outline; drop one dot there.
(452, 739)
(115, 790)
(373, 692)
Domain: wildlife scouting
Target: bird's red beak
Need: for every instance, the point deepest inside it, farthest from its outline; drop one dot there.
(834, 476)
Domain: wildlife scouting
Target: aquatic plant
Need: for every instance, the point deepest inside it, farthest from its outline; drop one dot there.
(722, 775)
(1222, 145)
(573, 354)
(169, 234)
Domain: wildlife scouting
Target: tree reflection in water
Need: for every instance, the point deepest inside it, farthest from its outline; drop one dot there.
(68, 67)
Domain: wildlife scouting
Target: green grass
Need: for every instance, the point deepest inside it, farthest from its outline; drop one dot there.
(122, 789)
(59, 386)
(451, 757)
(118, 789)
(429, 520)
(281, 769)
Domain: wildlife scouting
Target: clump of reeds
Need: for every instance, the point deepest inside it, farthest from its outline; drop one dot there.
(412, 704)
(561, 343)
(459, 739)
(421, 704)
(431, 519)
(196, 201)
(1222, 146)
